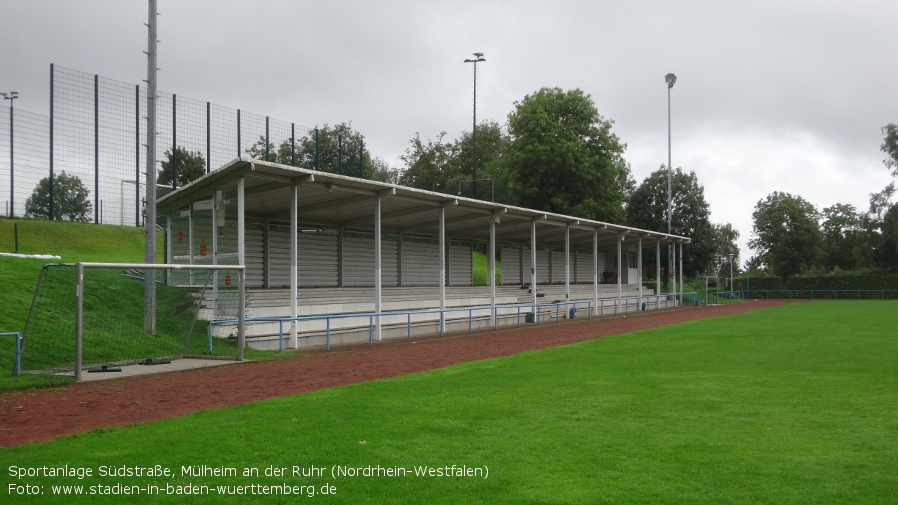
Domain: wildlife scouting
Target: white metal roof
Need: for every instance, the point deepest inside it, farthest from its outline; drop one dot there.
(330, 200)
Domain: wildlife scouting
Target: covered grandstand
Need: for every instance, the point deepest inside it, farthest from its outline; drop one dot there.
(323, 244)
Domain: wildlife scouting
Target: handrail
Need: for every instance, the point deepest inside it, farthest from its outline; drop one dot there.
(668, 299)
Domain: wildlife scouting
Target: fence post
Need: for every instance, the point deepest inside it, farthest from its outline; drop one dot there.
(136, 155)
(52, 117)
(208, 137)
(174, 142)
(96, 148)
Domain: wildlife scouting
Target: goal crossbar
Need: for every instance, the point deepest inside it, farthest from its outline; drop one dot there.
(79, 298)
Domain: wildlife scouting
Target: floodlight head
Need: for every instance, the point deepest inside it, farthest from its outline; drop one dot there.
(9, 95)
(670, 79)
(478, 55)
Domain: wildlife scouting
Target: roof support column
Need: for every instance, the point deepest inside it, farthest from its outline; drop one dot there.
(241, 260)
(620, 265)
(377, 269)
(216, 215)
(491, 269)
(658, 268)
(567, 262)
(533, 261)
(595, 271)
(639, 272)
(442, 260)
(266, 253)
(241, 221)
(681, 273)
(294, 262)
(190, 235)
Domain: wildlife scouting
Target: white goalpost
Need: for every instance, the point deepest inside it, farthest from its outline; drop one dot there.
(217, 270)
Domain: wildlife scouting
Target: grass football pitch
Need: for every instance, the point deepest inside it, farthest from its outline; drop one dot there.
(794, 404)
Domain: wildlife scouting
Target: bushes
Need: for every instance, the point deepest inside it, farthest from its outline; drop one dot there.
(836, 280)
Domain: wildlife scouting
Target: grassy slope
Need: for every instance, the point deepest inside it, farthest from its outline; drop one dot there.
(73, 242)
(788, 405)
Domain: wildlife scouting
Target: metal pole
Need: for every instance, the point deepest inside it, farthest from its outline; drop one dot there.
(79, 312)
(137, 155)
(241, 260)
(208, 137)
(96, 148)
(317, 148)
(474, 139)
(174, 142)
(479, 58)
(378, 288)
(149, 296)
(52, 120)
(12, 192)
(11, 96)
(670, 79)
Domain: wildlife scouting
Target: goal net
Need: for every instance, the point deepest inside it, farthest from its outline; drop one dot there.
(90, 316)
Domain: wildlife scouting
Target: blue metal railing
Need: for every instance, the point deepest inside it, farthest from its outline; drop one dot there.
(614, 304)
(17, 366)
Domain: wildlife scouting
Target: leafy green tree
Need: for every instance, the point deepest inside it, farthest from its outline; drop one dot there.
(725, 237)
(563, 156)
(886, 254)
(182, 168)
(843, 237)
(492, 142)
(787, 234)
(647, 209)
(333, 149)
(890, 147)
(428, 164)
(258, 151)
(383, 172)
(71, 200)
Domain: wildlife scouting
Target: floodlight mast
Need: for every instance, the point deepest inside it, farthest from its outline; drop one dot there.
(11, 96)
(479, 58)
(670, 79)
(149, 293)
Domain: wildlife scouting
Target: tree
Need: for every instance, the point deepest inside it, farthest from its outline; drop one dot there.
(647, 209)
(383, 172)
(725, 237)
(427, 164)
(563, 156)
(787, 234)
(492, 142)
(842, 237)
(70, 199)
(890, 147)
(188, 166)
(333, 149)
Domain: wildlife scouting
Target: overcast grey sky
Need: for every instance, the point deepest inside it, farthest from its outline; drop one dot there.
(784, 95)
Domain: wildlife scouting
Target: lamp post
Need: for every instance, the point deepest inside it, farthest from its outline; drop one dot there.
(11, 96)
(732, 288)
(670, 79)
(478, 58)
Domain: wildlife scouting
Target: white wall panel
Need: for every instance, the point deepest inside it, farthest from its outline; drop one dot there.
(510, 256)
(420, 263)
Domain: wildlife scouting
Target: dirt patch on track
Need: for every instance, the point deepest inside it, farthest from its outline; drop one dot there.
(34, 416)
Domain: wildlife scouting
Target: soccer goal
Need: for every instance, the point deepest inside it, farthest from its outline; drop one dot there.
(90, 316)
